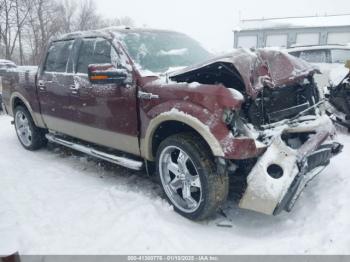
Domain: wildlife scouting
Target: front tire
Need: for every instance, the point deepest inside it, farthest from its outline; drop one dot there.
(29, 135)
(187, 172)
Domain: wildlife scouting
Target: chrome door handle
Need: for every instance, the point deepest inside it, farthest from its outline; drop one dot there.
(147, 96)
(41, 85)
(74, 89)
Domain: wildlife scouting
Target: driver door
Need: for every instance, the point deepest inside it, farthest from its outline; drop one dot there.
(106, 114)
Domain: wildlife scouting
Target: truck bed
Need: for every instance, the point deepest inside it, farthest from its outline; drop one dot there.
(21, 80)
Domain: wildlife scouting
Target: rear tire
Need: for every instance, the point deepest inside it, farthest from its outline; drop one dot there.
(29, 135)
(189, 178)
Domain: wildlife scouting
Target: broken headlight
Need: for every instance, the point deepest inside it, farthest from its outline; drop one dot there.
(230, 119)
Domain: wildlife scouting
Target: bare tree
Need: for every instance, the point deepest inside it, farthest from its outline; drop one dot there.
(67, 14)
(22, 12)
(44, 24)
(12, 17)
(87, 17)
(1, 44)
(122, 21)
(127, 21)
(6, 22)
(26, 26)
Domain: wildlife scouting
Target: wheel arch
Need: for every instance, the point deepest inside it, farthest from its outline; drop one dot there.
(18, 99)
(166, 125)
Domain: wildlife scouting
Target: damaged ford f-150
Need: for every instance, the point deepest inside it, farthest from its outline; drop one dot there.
(247, 122)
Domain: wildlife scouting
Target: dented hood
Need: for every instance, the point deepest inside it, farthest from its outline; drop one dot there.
(254, 69)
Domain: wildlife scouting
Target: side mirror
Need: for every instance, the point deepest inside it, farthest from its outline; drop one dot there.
(347, 64)
(106, 74)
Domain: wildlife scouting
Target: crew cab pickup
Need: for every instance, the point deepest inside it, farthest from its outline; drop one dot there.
(248, 121)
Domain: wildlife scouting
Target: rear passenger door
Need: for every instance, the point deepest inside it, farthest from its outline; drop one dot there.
(54, 83)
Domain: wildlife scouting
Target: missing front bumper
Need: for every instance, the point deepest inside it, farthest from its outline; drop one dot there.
(310, 167)
(279, 176)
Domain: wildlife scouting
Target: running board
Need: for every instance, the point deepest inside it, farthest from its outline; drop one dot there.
(122, 161)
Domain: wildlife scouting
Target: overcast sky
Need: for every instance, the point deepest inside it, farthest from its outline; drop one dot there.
(211, 21)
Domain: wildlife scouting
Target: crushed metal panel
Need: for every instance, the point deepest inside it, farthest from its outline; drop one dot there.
(258, 68)
(264, 192)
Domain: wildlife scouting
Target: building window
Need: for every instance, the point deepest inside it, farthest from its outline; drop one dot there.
(276, 41)
(250, 41)
(338, 38)
(304, 39)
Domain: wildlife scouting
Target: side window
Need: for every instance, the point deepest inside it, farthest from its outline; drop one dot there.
(314, 56)
(340, 55)
(296, 54)
(58, 57)
(94, 51)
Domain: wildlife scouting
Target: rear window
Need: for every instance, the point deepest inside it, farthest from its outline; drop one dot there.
(58, 56)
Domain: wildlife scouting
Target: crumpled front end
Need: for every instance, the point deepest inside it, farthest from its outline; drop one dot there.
(298, 151)
(280, 139)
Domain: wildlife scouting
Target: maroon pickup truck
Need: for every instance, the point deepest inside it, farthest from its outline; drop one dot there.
(248, 122)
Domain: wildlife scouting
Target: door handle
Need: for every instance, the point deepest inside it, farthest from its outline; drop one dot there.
(74, 89)
(147, 96)
(41, 85)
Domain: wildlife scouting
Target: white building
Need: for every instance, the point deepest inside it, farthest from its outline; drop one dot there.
(293, 31)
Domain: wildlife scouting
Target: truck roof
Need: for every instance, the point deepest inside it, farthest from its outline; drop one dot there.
(110, 32)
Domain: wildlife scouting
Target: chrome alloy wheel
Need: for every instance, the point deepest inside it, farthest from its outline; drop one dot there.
(23, 129)
(180, 179)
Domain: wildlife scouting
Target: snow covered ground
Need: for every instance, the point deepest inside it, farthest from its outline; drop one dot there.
(66, 203)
